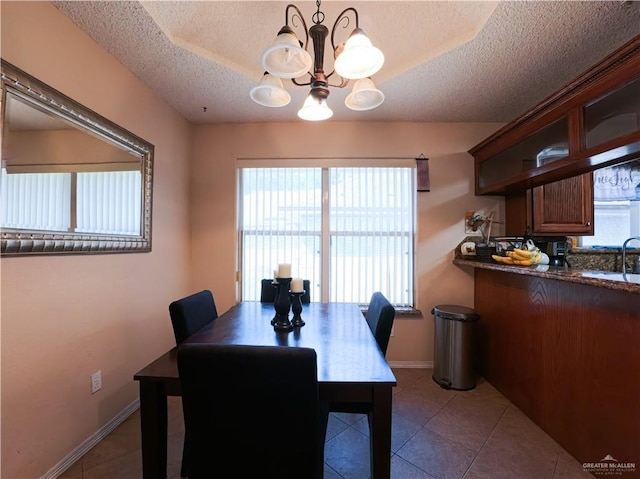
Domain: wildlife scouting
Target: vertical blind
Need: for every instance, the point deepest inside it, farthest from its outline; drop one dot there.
(349, 230)
(109, 202)
(36, 201)
(106, 202)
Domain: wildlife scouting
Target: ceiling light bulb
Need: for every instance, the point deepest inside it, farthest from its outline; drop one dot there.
(315, 109)
(270, 92)
(285, 58)
(359, 59)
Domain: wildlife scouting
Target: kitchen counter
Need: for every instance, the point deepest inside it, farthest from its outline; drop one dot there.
(628, 282)
(562, 345)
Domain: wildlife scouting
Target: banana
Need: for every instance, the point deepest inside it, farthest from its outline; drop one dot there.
(516, 257)
(502, 259)
(525, 254)
(523, 262)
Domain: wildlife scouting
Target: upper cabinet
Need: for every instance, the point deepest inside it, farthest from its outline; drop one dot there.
(613, 115)
(592, 122)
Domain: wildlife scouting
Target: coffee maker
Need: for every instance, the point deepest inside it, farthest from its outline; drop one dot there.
(555, 248)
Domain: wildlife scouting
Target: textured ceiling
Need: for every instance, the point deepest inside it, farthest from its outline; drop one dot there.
(445, 61)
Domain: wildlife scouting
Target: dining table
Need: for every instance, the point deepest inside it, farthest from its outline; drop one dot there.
(351, 369)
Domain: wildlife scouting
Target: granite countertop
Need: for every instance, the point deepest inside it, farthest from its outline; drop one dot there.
(628, 282)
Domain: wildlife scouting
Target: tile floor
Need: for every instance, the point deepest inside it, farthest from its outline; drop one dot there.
(437, 434)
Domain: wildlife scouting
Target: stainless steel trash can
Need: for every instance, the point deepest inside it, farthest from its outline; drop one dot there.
(454, 361)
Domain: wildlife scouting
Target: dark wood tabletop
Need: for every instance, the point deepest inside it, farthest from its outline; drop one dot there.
(351, 368)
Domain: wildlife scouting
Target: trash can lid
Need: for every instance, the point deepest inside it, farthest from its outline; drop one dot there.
(452, 311)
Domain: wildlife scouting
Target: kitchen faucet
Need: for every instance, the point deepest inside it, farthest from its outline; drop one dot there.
(624, 252)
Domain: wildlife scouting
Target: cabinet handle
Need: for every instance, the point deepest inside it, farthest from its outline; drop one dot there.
(588, 223)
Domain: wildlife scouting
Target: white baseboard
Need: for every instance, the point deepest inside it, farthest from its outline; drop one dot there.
(411, 364)
(71, 458)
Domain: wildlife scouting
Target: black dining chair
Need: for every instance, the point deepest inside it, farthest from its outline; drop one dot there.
(268, 291)
(380, 316)
(251, 411)
(189, 315)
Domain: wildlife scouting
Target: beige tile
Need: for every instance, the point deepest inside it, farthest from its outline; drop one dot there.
(330, 473)
(175, 443)
(420, 402)
(401, 469)
(348, 454)
(437, 455)
(127, 466)
(485, 390)
(118, 443)
(569, 468)
(485, 468)
(468, 419)
(347, 417)
(175, 419)
(408, 377)
(401, 430)
(520, 445)
(335, 426)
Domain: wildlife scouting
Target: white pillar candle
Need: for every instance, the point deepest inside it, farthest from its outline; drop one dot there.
(275, 274)
(284, 270)
(296, 285)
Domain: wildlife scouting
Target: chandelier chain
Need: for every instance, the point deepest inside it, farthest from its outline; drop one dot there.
(318, 17)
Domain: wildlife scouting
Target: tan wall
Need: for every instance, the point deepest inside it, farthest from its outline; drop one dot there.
(65, 317)
(440, 211)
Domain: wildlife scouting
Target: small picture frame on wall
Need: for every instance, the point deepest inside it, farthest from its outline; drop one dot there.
(473, 223)
(422, 169)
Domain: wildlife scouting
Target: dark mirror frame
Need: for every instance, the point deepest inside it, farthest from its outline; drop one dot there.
(14, 242)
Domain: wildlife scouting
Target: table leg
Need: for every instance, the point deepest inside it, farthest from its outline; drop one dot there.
(380, 433)
(153, 424)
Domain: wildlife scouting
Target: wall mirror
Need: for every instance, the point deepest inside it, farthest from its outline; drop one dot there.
(72, 181)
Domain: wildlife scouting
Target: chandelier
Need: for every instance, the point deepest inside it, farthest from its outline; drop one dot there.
(288, 58)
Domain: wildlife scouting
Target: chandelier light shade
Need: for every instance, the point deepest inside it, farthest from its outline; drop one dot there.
(286, 58)
(364, 96)
(289, 58)
(359, 59)
(315, 109)
(270, 92)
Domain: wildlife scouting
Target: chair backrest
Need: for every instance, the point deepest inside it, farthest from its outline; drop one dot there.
(380, 315)
(268, 291)
(260, 402)
(191, 314)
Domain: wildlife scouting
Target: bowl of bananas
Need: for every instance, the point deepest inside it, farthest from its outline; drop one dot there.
(527, 255)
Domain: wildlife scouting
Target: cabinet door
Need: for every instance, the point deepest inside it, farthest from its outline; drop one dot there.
(545, 145)
(564, 207)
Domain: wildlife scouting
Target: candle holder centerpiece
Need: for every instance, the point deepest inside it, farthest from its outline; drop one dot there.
(276, 286)
(282, 305)
(296, 308)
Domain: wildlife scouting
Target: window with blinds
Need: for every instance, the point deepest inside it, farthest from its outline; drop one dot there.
(349, 230)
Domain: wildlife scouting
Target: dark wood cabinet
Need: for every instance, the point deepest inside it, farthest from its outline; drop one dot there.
(542, 161)
(564, 207)
(560, 208)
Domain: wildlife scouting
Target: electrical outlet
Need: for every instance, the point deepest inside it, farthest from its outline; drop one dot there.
(96, 382)
(392, 331)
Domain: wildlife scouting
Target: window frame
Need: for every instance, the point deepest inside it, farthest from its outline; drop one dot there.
(326, 235)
